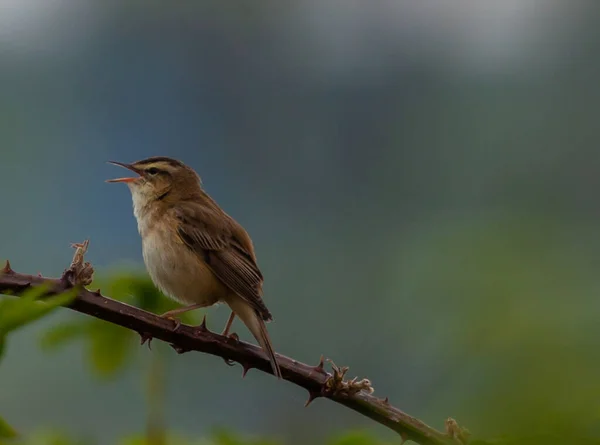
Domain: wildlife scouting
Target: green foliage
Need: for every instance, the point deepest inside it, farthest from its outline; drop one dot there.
(355, 438)
(107, 346)
(63, 333)
(222, 437)
(171, 439)
(217, 438)
(111, 348)
(18, 312)
(48, 437)
(6, 431)
(543, 439)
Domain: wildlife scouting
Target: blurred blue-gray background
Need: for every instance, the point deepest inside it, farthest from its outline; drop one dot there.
(420, 180)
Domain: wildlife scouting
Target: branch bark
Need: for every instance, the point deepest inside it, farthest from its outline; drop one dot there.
(353, 394)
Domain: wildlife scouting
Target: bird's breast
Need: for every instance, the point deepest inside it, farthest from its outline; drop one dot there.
(177, 271)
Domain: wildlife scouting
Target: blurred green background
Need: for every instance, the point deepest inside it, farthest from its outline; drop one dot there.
(419, 178)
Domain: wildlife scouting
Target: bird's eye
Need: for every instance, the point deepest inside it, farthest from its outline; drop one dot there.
(152, 171)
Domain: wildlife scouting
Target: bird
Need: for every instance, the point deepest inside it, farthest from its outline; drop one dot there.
(194, 252)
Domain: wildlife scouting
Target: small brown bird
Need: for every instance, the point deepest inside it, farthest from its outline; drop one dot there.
(194, 252)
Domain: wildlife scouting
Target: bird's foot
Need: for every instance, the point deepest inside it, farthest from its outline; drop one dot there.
(235, 339)
(170, 316)
(226, 333)
(145, 338)
(233, 336)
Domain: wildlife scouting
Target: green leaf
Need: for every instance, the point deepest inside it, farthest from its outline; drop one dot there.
(134, 440)
(6, 431)
(61, 334)
(224, 437)
(110, 346)
(52, 437)
(19, 312)
(171, 439)
(354, 438)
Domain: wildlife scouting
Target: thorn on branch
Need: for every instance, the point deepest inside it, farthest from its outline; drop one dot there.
(386, 401)
(337, 386)
(312, 395)
(320, 368)
(456, 432)
(202, 326)
(145, 337)
(245, 368)
(7, 269)
(179, 349)
(403, 437)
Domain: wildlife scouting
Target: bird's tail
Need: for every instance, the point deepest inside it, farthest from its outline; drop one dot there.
(257, 327)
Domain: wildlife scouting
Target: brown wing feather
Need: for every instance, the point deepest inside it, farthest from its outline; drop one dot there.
(223, 251)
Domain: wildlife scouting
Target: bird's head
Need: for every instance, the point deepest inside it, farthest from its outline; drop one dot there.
(159, 178)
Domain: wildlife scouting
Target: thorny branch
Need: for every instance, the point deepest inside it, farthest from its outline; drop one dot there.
(354, 394)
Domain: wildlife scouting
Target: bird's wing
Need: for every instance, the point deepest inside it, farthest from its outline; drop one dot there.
(206, 235)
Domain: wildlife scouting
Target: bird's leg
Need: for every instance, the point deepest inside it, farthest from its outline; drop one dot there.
(225, 332)
(170, 315)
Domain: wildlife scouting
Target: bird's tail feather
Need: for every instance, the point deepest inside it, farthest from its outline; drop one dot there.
(257, 327)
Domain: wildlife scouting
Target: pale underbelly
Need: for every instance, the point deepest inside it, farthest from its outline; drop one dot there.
(181, 275)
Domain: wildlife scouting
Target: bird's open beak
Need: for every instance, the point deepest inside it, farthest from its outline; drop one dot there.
(129, 167)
